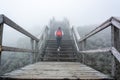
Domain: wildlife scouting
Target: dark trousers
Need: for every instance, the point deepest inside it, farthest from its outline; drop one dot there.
(58, 41)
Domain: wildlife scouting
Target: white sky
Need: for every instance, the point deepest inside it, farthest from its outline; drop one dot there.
(80, 12)
(32, 13)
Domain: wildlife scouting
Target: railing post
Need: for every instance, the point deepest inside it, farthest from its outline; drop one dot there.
(83, 47)
(113, 59)
(36, 51)
(1, 34)
(32, 54)
(113, 66)
(115, 42)
(116, 38)
(46, 33)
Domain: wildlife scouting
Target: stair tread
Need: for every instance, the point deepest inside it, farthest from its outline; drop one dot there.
(61, 46)
(66, 53)
(58, 58)
(56, 45)
(55, 49)
(70, 56)
(60, 51)
(62, 54)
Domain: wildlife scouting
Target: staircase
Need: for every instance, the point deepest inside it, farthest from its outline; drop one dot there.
(63, 64)
(67, 52)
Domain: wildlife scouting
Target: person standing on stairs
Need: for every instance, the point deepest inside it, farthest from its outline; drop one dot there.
(59, 33)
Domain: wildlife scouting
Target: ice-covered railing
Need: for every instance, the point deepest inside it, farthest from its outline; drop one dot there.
(35, 42)
(80, 42)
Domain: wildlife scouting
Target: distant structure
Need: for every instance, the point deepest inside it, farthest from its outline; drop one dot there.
(64, 24)
(55, 23)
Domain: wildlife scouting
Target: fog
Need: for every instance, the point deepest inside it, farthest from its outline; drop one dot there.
(34, 14)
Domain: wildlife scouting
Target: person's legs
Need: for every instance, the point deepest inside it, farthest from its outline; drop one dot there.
(57, 39)
(58, 42)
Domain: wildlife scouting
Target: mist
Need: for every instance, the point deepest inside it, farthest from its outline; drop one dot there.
(34, 14)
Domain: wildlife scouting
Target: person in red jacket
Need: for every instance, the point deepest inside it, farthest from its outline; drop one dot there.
(59, 33)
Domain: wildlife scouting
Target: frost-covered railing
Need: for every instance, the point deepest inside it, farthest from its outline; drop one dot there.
(41, 45)
(114, 23)
(35, 42)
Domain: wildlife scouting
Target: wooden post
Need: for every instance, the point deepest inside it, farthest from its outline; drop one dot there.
(1, 34)
(113, 66)
(115, 42)
(113, 59)
(83, 47)
(46, 32)
(32, 54)
(36, 51)
(116, 38)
